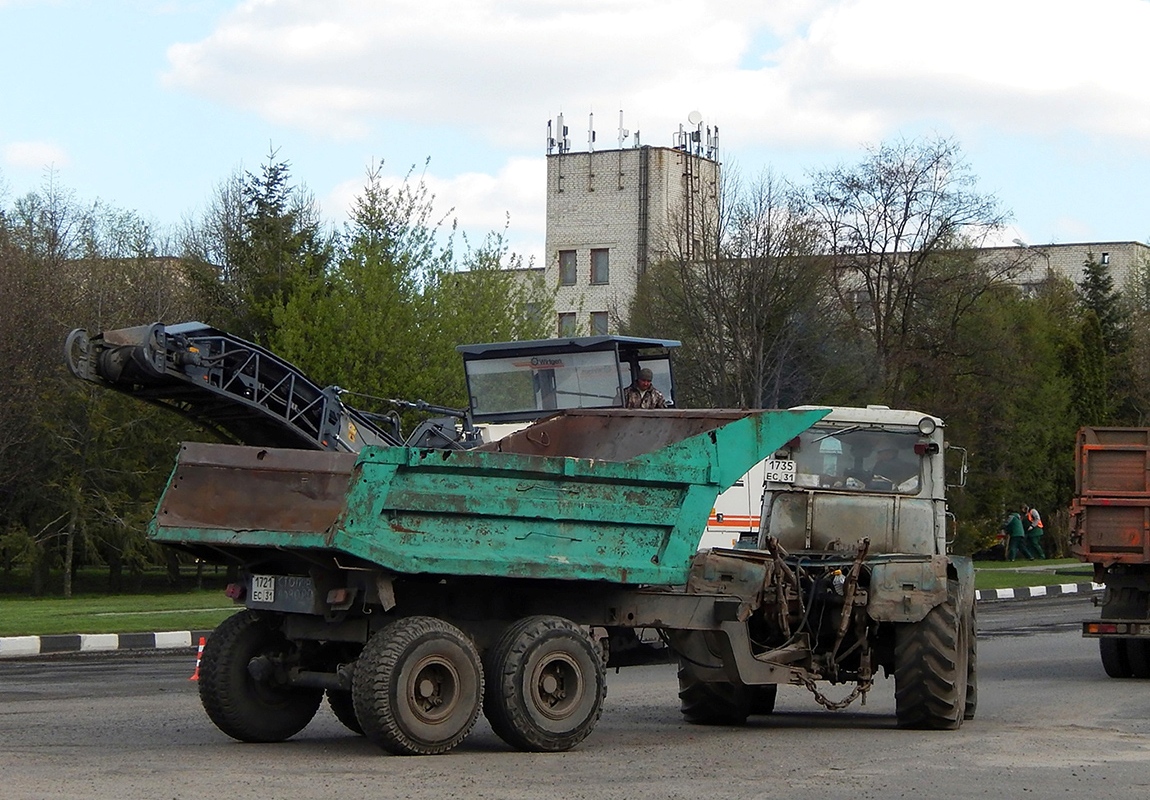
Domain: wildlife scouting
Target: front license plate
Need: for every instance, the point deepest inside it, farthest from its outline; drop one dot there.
(263, 589)
(780, 470)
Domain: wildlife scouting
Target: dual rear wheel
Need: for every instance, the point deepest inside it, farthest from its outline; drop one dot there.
(419, 686)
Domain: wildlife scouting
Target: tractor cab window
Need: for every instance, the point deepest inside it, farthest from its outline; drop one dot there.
(858, 459)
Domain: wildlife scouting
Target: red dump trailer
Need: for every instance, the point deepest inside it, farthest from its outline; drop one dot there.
(1110, 528)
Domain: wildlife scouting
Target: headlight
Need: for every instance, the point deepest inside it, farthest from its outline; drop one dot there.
(926, 426)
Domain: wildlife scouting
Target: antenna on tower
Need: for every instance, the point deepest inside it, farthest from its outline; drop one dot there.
(591, 132)
(623, 132)
(696, 136)
(562, 142)
(550, 139)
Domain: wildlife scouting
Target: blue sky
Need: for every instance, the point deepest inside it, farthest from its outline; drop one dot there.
(148, 105)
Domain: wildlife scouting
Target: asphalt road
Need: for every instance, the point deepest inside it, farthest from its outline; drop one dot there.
(1050, 724)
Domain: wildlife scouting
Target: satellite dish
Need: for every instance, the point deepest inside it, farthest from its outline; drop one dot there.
(694, 118)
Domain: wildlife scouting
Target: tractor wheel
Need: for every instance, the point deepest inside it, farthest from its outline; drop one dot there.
(545, 685)
(343, 707)
(971, 706)
(714, 703)
(417, 686)
(251, 709)
(931, 665)
(761, 699)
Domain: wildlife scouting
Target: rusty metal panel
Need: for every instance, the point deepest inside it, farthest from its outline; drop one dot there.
(1110, 515)
(1115, 531)
(1112, 461)
(255, 488)
(611, 435)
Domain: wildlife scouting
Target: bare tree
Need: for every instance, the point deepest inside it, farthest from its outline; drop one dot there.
(747, 298)
(902, 228)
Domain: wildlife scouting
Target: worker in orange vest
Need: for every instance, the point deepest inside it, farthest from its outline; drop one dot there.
(1032, 523)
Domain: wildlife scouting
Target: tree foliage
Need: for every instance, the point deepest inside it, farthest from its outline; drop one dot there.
(378, 309)
(386, 319)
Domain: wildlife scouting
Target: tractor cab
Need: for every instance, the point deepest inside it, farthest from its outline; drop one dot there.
(518, 382)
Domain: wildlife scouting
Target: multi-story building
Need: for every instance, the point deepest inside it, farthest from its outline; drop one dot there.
(612, 213)
(1126, 260)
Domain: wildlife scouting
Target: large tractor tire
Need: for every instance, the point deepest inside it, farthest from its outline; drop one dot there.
(971, 706)
(931, 667)
(715, 703)
(245, 707)
(418, 686)
(545, 685)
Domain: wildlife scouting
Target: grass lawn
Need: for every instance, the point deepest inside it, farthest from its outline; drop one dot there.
(206, 608)
(1011, 574)
(129, 613)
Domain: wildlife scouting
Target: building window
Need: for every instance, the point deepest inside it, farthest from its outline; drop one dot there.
(567, 324)
(600, 262)
(598, 323)
(567, 271)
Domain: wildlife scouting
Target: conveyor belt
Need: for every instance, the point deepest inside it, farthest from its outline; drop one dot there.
(238, 389)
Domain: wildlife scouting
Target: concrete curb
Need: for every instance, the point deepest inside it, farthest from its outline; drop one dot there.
(56, 644)
(24, 646)
(1031, 592)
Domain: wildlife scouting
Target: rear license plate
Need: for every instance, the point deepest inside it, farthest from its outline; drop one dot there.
(263, 589)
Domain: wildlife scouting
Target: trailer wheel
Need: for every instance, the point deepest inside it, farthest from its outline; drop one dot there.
(241, 705)
(1138, 657)
(715, 703)
(545, 685)
(343, 707)
(971, 706)
(931, 667)
(417, 686)
(1114, 660)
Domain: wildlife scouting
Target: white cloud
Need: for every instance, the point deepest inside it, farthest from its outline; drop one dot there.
(35, 155)
(832, 72)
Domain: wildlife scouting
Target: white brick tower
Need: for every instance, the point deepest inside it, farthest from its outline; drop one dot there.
(612, 213)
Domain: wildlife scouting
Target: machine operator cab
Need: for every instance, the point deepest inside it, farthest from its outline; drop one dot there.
(511, 384)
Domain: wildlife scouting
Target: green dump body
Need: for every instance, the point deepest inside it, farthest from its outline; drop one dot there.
(606, 495)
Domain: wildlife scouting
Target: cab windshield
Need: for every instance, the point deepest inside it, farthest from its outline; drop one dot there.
(858, 459)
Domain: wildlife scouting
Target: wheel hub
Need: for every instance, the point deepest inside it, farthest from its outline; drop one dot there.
(557, 687)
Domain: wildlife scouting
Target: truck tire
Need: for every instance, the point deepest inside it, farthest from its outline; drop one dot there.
(241, 706)
(931, 666)
(1138, 657)
(545, 685)
(971, 706)
(1114, 660)
(1123, 658)
(343, 707)
(417, 686)
(713, 702)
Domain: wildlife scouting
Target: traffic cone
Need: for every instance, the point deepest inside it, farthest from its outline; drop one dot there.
(199, 655)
